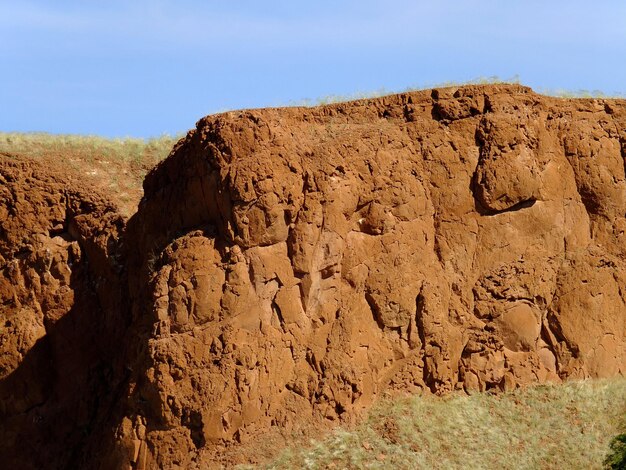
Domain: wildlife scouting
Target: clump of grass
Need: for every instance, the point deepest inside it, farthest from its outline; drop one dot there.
(616, 460)
(548, 427)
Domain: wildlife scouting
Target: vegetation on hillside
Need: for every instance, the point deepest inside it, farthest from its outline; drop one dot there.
(544, 427)
(493, 80)
(90, 148)
(115, 166)
(616, 460)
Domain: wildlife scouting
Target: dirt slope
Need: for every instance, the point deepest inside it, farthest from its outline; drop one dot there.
(286, 267)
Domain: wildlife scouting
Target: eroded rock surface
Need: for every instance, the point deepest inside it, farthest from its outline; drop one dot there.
(61, 313)
(286, 267)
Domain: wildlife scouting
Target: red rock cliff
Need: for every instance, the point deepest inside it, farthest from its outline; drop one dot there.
(288, 266)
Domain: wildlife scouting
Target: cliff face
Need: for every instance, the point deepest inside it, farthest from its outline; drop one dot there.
(62, 314)
(288, 266)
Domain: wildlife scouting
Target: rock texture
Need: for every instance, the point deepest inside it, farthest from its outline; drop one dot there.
(61, 307)
(286, 267)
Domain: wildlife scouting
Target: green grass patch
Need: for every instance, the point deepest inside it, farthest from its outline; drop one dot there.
(616, 460)
(544, 427)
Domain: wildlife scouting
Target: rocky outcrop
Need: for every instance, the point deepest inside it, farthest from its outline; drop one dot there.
(286, 267)
(61, 313)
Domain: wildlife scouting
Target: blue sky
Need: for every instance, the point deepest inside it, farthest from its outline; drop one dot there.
(144, 68)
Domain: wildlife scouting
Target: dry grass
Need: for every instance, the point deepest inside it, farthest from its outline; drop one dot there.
(87, 147)
(114, 166)
(493, 80)
(545, 427)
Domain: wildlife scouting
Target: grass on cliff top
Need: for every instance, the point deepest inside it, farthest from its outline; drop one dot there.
(87, 147)
(492, 80)
(115, 166)
(566, 426)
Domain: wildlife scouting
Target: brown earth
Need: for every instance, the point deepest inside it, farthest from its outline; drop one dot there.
(287, 267)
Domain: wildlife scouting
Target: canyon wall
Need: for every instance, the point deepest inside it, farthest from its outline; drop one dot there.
(288, 267)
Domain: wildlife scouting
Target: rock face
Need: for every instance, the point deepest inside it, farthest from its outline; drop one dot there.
(61, 306)
(288, 266)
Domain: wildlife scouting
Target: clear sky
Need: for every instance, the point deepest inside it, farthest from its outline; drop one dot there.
(143, 68)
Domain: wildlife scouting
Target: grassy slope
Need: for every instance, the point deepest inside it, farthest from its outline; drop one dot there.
(544, 427)
(115, 166)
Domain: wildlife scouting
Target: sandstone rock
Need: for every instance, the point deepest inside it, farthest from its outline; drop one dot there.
(286, 267)
(61, 314)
